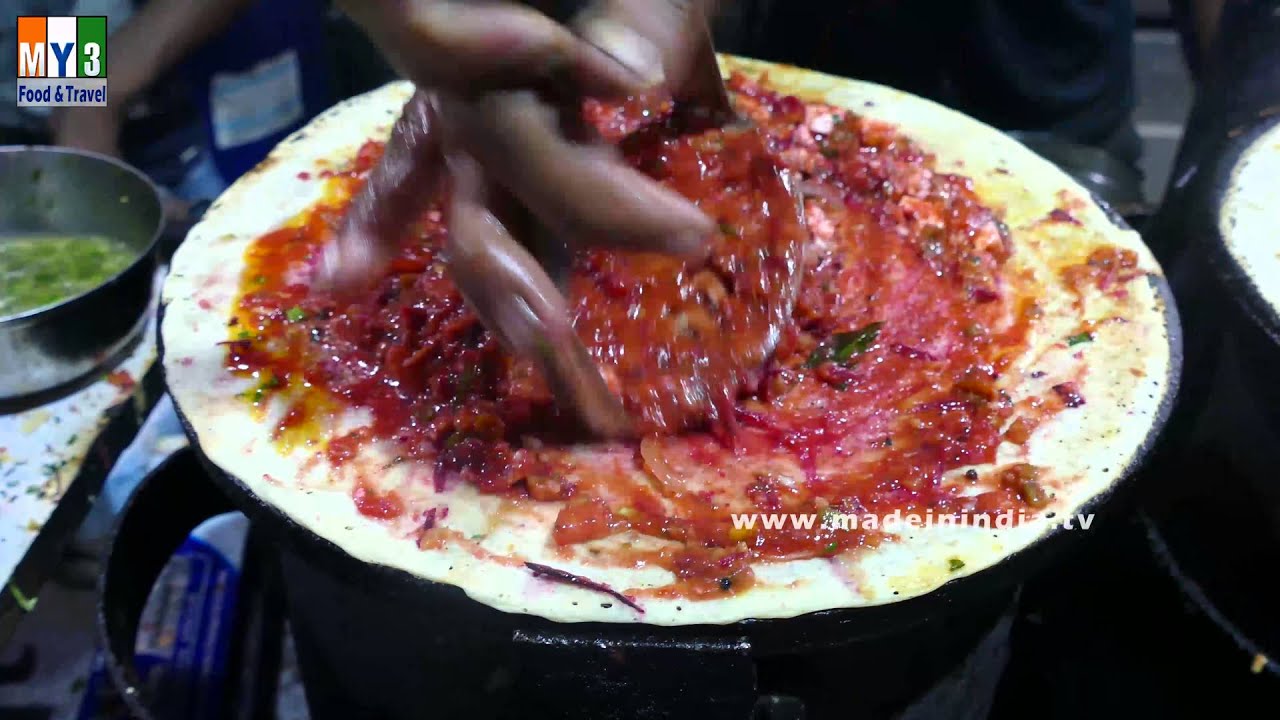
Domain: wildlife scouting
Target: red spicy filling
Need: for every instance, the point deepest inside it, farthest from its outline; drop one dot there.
(886, 379)
(681, 340)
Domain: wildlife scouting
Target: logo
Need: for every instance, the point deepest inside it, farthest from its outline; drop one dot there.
(62, 61)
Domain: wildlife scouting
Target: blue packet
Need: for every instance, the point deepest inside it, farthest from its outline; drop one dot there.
(185, 631)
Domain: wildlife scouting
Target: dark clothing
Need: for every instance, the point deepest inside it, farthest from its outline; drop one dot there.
(1063, 66)
(259, 79)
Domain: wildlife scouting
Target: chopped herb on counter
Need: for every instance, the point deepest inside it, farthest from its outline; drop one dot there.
(27, 604)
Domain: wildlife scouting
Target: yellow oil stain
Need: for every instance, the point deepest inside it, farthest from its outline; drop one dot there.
(33, 421)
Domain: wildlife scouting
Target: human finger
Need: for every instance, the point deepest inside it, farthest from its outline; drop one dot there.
(515, 299)
(582, 192)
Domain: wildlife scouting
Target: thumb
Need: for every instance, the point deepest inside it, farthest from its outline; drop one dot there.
(674, 29)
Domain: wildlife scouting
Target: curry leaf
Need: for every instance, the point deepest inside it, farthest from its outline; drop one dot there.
(845, 346)
(1083, 337)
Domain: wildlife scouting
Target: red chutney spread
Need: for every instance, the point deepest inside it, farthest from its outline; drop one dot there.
(680, 341)
(884, 380)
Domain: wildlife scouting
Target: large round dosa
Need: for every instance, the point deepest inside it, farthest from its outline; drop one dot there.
(1247, 226)
(1088, 449)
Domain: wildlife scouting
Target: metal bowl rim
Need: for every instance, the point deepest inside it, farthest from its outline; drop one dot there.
(139, 257)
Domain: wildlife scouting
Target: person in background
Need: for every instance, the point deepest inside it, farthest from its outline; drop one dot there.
(1059, 67)
(1063, 68)
(1197, 24)
(253, 71)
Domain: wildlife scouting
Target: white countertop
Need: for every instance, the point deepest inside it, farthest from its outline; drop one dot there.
(42, 450)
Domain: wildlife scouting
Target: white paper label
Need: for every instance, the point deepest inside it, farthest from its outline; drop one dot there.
(252, 105)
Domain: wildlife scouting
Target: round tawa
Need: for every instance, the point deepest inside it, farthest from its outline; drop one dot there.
(1249, 245)
(1128, 373)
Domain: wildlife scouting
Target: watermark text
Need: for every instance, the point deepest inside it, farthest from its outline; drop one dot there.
(898, 520)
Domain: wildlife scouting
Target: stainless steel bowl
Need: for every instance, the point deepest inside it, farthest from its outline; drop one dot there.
(62, 191)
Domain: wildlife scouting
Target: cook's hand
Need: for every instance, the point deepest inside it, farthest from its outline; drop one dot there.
(516, 173)
(474, 58)
(468, 47)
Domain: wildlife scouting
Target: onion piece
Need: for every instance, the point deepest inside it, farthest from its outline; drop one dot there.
(809, 188)
(657, 465)
(563, 576)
